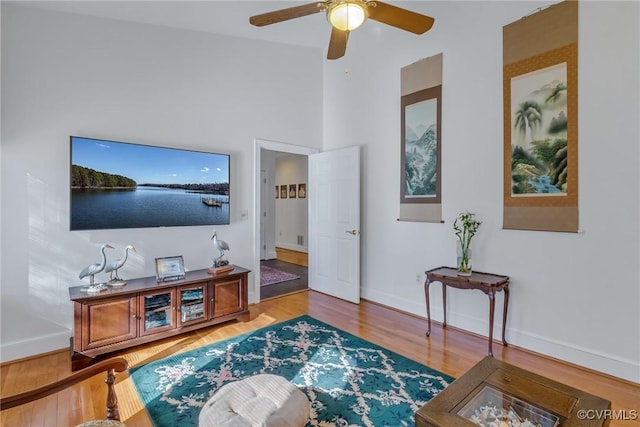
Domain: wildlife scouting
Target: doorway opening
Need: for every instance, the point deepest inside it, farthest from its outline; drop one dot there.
(281, 219)
(284, 224)
(286, 274)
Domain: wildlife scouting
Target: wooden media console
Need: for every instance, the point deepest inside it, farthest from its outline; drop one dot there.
(145, 310)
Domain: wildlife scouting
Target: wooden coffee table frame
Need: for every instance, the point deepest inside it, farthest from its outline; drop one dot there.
(485, 282)
(566, 402)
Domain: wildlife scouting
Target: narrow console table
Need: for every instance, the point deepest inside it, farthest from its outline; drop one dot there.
(485, 282)
(145, 310)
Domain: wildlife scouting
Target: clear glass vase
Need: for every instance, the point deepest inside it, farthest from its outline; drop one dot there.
(464, 260)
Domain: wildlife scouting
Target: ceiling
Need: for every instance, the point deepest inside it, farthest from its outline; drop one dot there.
(221, 17)
(213, 16)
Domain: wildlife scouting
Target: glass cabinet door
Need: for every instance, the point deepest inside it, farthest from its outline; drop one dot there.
(158, 312)
(191, 303)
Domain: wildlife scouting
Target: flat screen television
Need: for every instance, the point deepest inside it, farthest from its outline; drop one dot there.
(124, 185)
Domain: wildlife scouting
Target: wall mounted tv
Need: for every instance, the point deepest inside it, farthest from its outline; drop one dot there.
(124, 185)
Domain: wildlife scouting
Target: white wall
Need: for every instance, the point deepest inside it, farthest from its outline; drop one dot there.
(65, 74)
(292, 215)
(573, 296)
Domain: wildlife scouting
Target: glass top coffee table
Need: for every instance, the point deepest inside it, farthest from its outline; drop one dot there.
(496, 394)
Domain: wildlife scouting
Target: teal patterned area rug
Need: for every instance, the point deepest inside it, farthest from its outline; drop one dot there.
(349, 381)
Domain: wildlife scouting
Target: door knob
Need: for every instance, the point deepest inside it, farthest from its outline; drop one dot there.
(353, 232)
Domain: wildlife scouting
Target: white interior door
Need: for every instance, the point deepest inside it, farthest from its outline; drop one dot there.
(334, 223)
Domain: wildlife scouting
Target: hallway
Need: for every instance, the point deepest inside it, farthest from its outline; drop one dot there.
(292, 262)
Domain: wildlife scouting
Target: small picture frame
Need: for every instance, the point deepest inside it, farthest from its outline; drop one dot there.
(292, 191)
(277, 191)
(302, 191)
(283, 191)
(169, 268)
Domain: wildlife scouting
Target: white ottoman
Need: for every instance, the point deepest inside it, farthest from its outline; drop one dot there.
(263, 400)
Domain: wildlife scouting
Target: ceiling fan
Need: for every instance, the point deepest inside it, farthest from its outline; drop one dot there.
(347, 15)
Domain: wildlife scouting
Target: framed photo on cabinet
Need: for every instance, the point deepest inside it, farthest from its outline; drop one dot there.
(169, 268)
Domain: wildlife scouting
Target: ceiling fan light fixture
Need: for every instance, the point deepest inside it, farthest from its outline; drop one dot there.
(346, 16)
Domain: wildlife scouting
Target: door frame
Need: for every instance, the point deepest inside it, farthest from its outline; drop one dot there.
(263, 192)
(260, 144)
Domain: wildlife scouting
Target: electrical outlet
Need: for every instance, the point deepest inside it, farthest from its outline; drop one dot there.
(418, 277)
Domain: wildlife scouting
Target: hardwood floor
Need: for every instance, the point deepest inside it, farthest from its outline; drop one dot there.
(447, 350)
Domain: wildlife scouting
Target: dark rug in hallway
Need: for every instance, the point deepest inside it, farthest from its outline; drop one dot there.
(270, 276)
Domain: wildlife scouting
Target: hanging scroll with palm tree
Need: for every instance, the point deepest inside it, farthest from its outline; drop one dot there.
(540, 120)
(539, 134)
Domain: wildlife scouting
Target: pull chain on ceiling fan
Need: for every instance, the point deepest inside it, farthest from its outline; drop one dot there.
(347, 15)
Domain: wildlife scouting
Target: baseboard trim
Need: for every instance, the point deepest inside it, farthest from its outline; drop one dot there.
(33, 347)
(291, 247)
(582, 357)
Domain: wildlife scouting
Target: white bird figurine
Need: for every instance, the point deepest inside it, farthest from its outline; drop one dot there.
(220, 245)
(94, 269)
(113, 266)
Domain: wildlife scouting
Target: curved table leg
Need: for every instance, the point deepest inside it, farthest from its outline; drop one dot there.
(426, 296)
(444, 305)
(504, 315)
(492, 309)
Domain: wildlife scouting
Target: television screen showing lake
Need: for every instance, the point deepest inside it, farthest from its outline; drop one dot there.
(145, 207)
(124, 185)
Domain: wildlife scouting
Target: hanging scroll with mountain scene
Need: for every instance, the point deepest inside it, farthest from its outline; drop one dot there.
(420, 109)
(420, 146)
(540, 120)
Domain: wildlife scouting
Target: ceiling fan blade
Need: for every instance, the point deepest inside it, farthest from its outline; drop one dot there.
(284, 14)
(337, 43)
(400, 18)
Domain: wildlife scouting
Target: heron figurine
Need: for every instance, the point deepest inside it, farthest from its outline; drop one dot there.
(222, 247)
(93, 269)
(113, 267)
